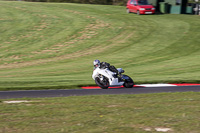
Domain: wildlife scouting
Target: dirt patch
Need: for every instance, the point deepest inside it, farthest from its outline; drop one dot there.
(2, 19)
(72, 11)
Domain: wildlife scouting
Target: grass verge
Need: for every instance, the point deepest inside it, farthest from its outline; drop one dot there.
(53, 45)
(178, 112)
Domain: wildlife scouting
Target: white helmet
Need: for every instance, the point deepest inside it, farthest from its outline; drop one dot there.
(96, 63)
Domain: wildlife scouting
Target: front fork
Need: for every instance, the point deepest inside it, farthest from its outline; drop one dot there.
(102, 79)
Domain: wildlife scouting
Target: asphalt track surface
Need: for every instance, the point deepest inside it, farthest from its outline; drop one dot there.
(81, 92)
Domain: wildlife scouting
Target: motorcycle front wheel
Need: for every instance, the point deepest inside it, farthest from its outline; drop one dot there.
(104, 84)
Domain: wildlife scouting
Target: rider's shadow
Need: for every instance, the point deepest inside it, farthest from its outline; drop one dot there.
(122, 87)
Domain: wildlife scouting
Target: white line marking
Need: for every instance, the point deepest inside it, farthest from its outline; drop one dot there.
(156, 85)
(23, 101)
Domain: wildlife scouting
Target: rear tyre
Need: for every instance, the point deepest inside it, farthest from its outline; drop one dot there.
(104, 84)
(128, 82)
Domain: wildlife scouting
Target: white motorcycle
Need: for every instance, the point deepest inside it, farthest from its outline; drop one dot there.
(105, 78)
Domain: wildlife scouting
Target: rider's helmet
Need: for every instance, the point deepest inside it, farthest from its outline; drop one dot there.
(96, 63)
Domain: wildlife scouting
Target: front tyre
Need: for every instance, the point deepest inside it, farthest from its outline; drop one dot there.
(138, 12)
(104, 84)
(128, 82)
(127, 10)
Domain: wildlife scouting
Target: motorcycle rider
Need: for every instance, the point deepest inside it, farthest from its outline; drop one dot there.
(103, 65)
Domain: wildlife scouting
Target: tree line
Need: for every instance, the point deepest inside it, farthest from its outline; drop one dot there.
(102, 2)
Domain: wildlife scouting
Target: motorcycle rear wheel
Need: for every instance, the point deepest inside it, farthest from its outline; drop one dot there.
(128, 82)
(103, 84)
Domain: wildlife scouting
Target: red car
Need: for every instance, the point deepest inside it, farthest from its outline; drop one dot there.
(140, 7)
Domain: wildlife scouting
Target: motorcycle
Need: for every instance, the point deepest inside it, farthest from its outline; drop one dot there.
(105, 78)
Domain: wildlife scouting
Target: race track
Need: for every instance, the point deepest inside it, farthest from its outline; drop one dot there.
(81, 92)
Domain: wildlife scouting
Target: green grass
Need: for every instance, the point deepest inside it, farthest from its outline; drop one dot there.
(104, 113)
(53, 45)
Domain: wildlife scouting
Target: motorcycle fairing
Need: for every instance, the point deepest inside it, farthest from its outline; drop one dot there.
(109, 74)
(125, 77)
